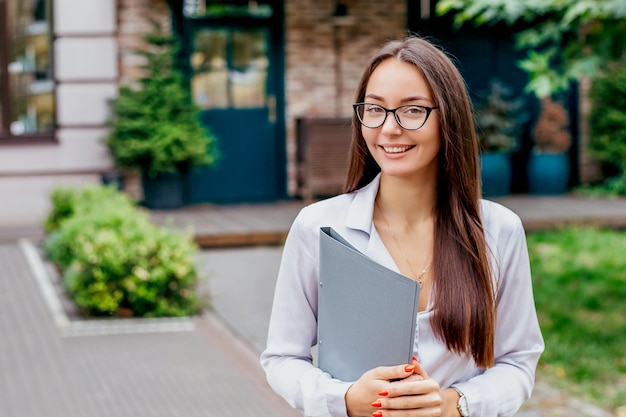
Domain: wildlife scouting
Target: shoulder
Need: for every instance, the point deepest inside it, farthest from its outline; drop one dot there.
(326, 212)
(500, 223)
(304, 233)
(350, 214)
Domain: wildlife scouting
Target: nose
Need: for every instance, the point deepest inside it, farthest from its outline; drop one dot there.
(391, 125)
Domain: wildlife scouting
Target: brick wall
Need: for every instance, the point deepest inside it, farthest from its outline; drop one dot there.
(133, 22)
(325, 57)
(590, 168)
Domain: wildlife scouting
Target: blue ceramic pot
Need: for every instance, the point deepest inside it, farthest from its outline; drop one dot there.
(548, 173)
(495, 173)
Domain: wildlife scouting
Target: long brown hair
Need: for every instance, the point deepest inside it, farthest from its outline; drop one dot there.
(464, 300)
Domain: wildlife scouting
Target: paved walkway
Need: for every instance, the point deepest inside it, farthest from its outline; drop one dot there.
(245, 225)
(125, 372)
(209, 368)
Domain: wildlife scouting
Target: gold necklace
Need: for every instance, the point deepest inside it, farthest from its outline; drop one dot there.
(418, 277)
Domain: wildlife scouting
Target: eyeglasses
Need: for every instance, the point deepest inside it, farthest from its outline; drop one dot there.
(409, 117)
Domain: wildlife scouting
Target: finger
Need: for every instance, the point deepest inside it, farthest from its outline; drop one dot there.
(414, 377)
(413, 385)
(428, 399)
(389, 373)
(419, 370)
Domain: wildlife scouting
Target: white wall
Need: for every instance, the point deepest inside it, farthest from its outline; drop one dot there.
(86, 71)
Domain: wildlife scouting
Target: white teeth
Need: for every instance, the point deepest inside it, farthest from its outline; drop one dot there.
(396, 149)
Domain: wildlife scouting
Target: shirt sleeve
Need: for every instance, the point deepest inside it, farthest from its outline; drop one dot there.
(503, 388)
(287, 359)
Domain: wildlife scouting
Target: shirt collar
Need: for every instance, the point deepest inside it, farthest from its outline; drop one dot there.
(361, 209)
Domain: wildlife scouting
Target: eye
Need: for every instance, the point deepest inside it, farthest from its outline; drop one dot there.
(414, 110)
(373, 108)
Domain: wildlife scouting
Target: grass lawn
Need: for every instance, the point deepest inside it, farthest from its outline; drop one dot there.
(579, 277)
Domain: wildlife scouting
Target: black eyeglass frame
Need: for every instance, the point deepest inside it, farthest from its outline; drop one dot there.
(395, 115)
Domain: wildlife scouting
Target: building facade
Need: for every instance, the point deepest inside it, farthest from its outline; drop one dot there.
(254, 67)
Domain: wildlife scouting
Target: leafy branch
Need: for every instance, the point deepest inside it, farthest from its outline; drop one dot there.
(565, 40)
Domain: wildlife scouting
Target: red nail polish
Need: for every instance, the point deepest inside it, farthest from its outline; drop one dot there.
(414, 359)
(383, 393)
(377, 404)
(377, 414)
(409, 368)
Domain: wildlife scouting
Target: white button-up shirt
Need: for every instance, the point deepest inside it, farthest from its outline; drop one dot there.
(288, 361)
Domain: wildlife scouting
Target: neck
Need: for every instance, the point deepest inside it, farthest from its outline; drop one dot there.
(406, 202)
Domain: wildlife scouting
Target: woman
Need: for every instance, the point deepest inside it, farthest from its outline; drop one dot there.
(412, 203)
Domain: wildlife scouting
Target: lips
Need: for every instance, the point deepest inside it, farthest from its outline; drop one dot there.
(397, 149)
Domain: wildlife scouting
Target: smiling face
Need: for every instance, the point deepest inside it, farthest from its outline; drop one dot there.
(401, 152)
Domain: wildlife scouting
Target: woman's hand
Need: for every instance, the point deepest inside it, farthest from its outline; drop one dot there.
(416, 395)
(394, 391)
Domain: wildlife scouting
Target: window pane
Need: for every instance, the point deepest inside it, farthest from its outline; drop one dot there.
(230, 68)
(209, 62)
(249, 73)
(31, 85)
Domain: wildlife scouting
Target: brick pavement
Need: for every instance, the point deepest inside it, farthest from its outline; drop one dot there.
(203, 372)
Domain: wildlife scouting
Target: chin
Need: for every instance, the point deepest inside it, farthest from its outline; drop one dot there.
(397, 172)
(403, 172)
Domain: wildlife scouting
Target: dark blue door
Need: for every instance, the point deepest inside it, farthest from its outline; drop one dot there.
(236, 78)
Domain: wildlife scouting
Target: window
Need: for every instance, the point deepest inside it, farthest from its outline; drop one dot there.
(26, 80)
(230, 68)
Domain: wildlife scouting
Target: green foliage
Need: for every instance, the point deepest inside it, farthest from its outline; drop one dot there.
(66, 201)
(610, 187)
(565, 40)
(234, 10)
(608, 118)
(155, 126)
(579, 278)
(499, 117)
(115, 262)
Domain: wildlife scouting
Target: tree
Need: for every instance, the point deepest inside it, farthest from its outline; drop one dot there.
(565, 40)
(155, 125)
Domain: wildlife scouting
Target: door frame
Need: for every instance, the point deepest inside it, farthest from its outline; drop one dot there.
(184, 28)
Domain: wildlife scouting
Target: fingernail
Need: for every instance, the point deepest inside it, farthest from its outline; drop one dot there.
(409, 368)
(383, 393)
(377, 403)
(414, 359)
(377, 414)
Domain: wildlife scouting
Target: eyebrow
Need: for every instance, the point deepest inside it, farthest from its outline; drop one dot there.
(404, 100)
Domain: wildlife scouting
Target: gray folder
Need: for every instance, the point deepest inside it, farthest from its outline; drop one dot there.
(366, 312)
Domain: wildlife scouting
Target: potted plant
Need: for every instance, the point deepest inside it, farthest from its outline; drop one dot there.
(548, 165)
(155, 127)
(499, 119)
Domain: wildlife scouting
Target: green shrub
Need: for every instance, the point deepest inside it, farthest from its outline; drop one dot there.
(115, 262)
(67, 201)
(608, 121)
(155, 126)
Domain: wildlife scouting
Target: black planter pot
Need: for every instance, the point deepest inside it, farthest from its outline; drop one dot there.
(165, 191)
(548, 173)
(112, 178)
